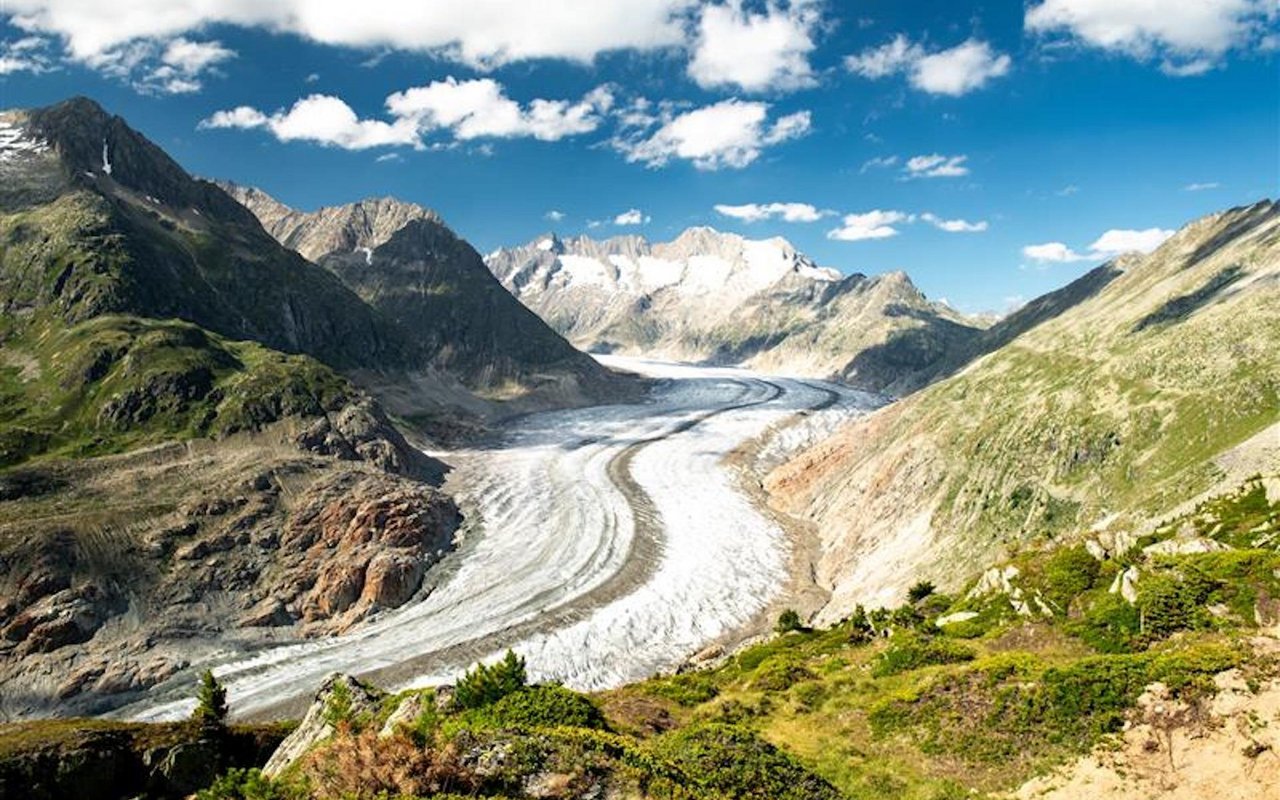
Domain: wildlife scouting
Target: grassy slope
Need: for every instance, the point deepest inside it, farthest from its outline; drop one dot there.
(887, 705)
(116, 382)
(1117, 406)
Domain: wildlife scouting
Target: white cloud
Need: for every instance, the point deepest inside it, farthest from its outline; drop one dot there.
(194, 57)
(632, 217)
(755, 52)
(878, 162)
(1188, 36)
(323, 119)
(731, 133)
(1110, 244)
(28, 54)
(1068, 190)
(959, 70)
(1201, 187)
(936, 165)
(181, 63)
(1052, 252)
(1114, 242)
(956, 71)
(788, 212)
(481, 33)
(869, 225)
(554, 216)
(954, 225)
(466, 109)
(480, 108)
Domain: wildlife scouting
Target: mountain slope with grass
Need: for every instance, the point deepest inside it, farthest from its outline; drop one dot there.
(183, 466)
(1145, 385)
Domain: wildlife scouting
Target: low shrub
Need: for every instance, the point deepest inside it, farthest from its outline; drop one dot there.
(728, 761)
(908, 652)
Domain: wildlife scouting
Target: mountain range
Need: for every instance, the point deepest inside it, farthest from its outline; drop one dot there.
(720, 298)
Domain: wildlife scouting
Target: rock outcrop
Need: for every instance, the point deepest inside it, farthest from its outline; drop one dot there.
(339, 697)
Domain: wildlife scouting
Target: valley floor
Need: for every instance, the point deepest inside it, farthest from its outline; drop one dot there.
(605, 544)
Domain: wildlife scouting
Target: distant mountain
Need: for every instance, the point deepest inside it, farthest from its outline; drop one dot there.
(1105, 406)
(404, 261)
(717, 297)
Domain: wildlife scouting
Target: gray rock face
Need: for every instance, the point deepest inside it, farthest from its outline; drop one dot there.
(339, 696)
(404, 261)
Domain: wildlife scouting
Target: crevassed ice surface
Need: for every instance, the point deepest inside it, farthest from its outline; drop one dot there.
(551, 528)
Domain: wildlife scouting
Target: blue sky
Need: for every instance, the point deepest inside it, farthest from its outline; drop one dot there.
(987, 149)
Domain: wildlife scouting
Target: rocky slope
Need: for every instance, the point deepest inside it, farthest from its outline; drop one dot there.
(404, 261)
(710, 296)
(182, 470)
(1148, 382)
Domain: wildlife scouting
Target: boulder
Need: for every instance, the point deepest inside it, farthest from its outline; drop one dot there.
(340, 697)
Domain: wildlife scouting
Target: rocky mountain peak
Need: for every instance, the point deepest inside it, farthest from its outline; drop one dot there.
(359, 227)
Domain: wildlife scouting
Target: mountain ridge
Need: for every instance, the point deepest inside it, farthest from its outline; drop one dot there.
(404, 261)
(1121, 401)
(723, 298)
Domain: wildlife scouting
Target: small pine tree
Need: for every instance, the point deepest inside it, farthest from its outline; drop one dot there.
(788, 620)
(920, 591)
(211, 703)
(484, 685)
(860, 627)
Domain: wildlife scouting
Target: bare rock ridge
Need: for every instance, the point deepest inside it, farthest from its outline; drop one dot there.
(721, 298)
(404, 261)
(1147, 383)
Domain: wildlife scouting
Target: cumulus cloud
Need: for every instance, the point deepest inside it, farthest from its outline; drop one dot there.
(755, 52)
(1110, 244)
(322, 119)
(633, 216)
(954, 225)
(1114, 242)
(956, 71)
(481, 33)
(875, 224)
(554, 215)
(465, 109)
(1188, 37)
(480, 108)
(936, 165)
(728, 134)
(1051, 252)
(788, 212)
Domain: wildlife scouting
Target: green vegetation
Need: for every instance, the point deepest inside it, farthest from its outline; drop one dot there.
(920, 591)
(885, 704)
(114, 383)
(487, 684)
(788, 620)
(211, 704)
